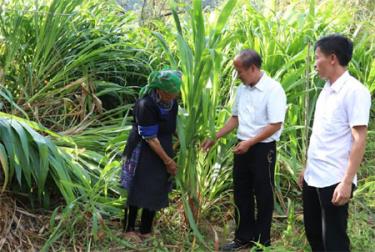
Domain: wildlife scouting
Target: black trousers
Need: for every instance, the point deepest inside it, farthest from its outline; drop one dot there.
(253, 178)
(147, 218)
(325, 223)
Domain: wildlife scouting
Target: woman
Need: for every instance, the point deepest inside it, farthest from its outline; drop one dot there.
(149, 153)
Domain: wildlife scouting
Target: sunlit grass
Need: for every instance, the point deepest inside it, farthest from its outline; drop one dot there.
(76, 74)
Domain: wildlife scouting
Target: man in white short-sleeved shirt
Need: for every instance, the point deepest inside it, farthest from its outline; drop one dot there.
(258, 113)
(336, 147)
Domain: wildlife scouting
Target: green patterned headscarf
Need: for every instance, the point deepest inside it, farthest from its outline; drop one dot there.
(166, 80)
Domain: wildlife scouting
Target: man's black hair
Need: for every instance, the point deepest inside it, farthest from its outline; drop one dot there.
(336, 44)
(250, 57)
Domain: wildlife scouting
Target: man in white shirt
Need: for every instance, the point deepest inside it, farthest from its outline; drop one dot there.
(258, 113)
(336, 149)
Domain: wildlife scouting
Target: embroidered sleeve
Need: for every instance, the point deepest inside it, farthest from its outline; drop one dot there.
(148, 132)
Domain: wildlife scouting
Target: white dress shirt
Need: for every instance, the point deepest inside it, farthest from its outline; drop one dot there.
(258, 106)
(340, 106)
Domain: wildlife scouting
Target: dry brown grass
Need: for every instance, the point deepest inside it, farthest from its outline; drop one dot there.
(20, 230)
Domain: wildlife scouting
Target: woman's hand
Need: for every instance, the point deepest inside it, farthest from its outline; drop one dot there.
(169, 163)
(171, 167)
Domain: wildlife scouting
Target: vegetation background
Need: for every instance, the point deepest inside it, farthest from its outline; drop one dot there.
(70, 71)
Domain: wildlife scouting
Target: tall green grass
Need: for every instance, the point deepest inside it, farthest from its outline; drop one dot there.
(32, 159)
(201, 56)
(285, 39)
(63, 61)
(72, 67)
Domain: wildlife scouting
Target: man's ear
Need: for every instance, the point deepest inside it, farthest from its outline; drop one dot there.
(252, 67)
(333, 58)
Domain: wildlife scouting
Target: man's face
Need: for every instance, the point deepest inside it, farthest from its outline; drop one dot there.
(246, 75)
(323, 63)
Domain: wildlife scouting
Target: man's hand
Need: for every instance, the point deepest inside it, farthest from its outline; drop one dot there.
(342, 193)
(242, 147)
(207, 144)
(228, 127)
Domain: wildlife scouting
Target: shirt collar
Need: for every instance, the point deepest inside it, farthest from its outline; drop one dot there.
(261, 84)
(339, 83)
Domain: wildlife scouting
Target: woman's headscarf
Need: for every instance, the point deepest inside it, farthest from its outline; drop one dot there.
(166, 80)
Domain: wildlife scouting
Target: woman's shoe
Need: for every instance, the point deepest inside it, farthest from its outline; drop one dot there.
(235, 245)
